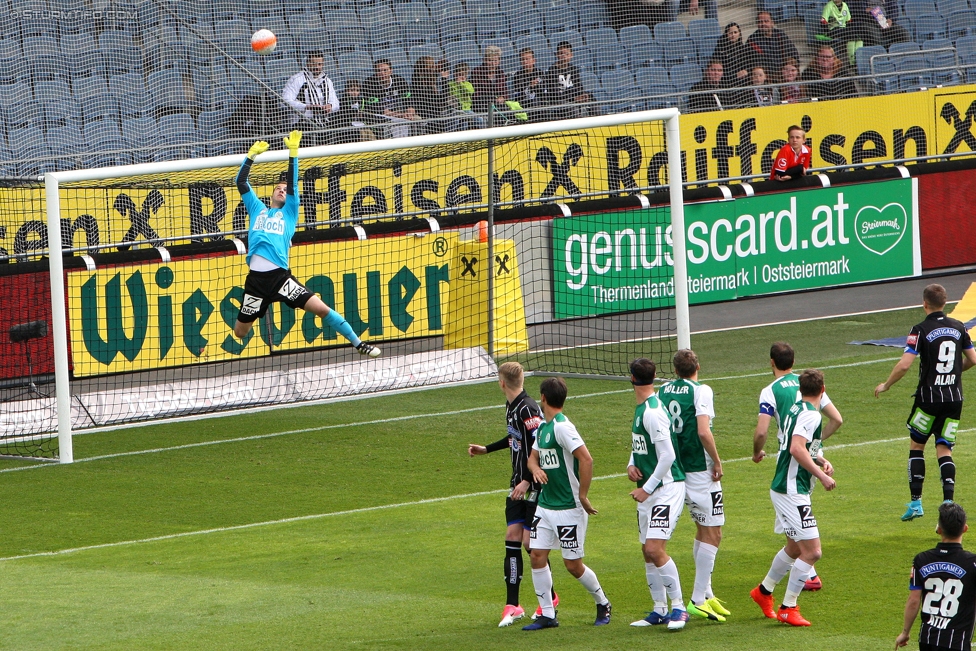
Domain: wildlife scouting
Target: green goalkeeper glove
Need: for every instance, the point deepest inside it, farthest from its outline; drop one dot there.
(257, 148)
(291, 141)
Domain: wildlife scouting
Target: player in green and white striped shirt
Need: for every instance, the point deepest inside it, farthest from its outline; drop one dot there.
(660, 496)
(797, 465)
(775, 400)
(562, 464)
(690, 404)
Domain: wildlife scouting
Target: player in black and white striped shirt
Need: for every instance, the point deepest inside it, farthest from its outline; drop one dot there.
(943, 587)
(523, 417)
(944, 351)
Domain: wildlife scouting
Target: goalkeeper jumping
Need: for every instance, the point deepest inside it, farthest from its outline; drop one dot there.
(269, 238)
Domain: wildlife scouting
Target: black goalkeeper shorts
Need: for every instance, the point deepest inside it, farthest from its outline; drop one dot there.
(262, 288)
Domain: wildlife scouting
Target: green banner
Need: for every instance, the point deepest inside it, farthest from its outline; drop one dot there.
(617, 262)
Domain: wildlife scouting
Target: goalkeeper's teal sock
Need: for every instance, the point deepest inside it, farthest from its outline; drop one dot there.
(340, 325)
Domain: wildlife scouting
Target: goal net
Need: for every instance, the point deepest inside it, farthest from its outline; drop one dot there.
(547, 243)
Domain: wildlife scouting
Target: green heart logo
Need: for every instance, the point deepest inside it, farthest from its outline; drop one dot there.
(879, 230)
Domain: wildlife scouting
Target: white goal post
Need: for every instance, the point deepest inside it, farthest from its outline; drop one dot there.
(54, 181)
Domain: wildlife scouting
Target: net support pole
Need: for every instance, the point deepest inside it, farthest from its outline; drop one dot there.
(59, 323)
(682, 316)
(491, 237)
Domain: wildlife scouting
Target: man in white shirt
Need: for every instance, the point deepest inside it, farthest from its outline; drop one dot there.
(311, 95)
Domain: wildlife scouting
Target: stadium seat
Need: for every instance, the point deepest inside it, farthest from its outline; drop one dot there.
(915, 8)
(441, 9)
(167, 92)
(226, 9)
(635, 35)
(605, 49)
(618, 88)
(685, 75)
(652, 76)
(193, 11)
(56, 91)
(379, 23)
(130, 91)
(13, 66)
(178, 128)
(456, 28)
(44, 58)
(491, 25)
(483, 7)
(355, 65)
(966, 49)
(529, 23)
(66, 140)
(669, 31)
(948, 7)
(558, 22)
(780, 10)
(645, 54)
(593, 14)
(705, 33)
(16, 105)
(278, 71)
(591, 83)
(515, 8)
(863, 58)
(104, 135)
(940, 54)
(929, 26)
(882, 80)
(457, 51)
(681, 50)
(961, 23)
(233, 36)
(80, 50)
(138, 132)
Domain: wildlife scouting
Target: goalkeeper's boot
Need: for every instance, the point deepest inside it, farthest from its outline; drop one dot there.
(914, 511)
(704, 611)
(510, 614)
(555, 602)
(718, 606)
(764, 601)
(791, 616)
(366, 349)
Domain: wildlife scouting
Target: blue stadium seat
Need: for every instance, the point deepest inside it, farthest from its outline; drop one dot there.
(593, 14)
(685, 75)
(863, 58)
(605, 49)
(652, 76)
(233, 36)
(44, 58)
(456, 28)
(961, 23)
(966, 49)
(882, 78)
(948, 7)
(559, 22)
(491, 25)
(167, 92)
(193, 11)
(104, 135)
(278, 71)
(265, 8)
(940, 53)
(441, 9)
(380, 25)
(515, 8)
(682, 50)
(540, 45)
(16, 105)
(646, 54)
(226, 9)
(929, 26)
(130, 91)
(482, 7)
(669, 31)
(355, 65)
(66, 140)
(529, 23)
(705, 33)
(915, 8)
(458, 51)
(80, 50)
(138, 132)
(635, 37)
(178, 128)
(780, 10)
(13, 66)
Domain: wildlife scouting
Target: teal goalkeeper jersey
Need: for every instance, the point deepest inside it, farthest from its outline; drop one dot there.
(685, 400)
(555, 441)
(271, 229)
(651, 424)
(803, 419)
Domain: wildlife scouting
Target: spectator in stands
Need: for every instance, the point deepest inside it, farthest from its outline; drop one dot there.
(312, 96)
(836, 27)
(874, 22)
(793, 160)
(386, 93)
(350, 118)
(791, 92)
(461, 89)
(429, 93)
(758, 93)
(736, 57)
(710, 94)
(489, 81)
(771, 45)
(563, 84)
(527, 88)
(828, 76)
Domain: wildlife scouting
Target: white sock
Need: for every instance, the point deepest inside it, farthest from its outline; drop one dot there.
(704, 564)
(658, 594)
(813, 572)
(542, 584)
(798, 576)
(782, 564)
(669, 577)
(592, 585)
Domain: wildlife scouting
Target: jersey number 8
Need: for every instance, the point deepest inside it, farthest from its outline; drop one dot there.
(677, 423)
(943, 597)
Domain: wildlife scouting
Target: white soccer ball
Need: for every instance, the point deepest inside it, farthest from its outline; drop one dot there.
(264, 41)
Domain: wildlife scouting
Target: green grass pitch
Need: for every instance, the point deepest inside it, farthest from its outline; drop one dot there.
(364, 524)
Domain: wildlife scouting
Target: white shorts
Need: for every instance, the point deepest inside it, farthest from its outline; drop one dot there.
(794, 516)
(565, 530)
(658, 515)
(704, 499)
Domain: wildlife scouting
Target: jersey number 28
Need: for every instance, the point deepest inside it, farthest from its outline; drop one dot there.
(943, 597)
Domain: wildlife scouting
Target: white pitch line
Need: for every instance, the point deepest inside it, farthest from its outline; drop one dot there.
(367, 509)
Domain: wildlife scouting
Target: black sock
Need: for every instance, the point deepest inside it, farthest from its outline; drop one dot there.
(916, 473)
(513, 570)
(763, 589)
(948, 470)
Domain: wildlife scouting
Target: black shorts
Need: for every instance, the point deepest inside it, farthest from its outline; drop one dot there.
(520, 512)
(262, 288)
(939, 419)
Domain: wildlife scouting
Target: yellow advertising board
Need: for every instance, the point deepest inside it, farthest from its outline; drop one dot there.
(715, 145)
(145, 316)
